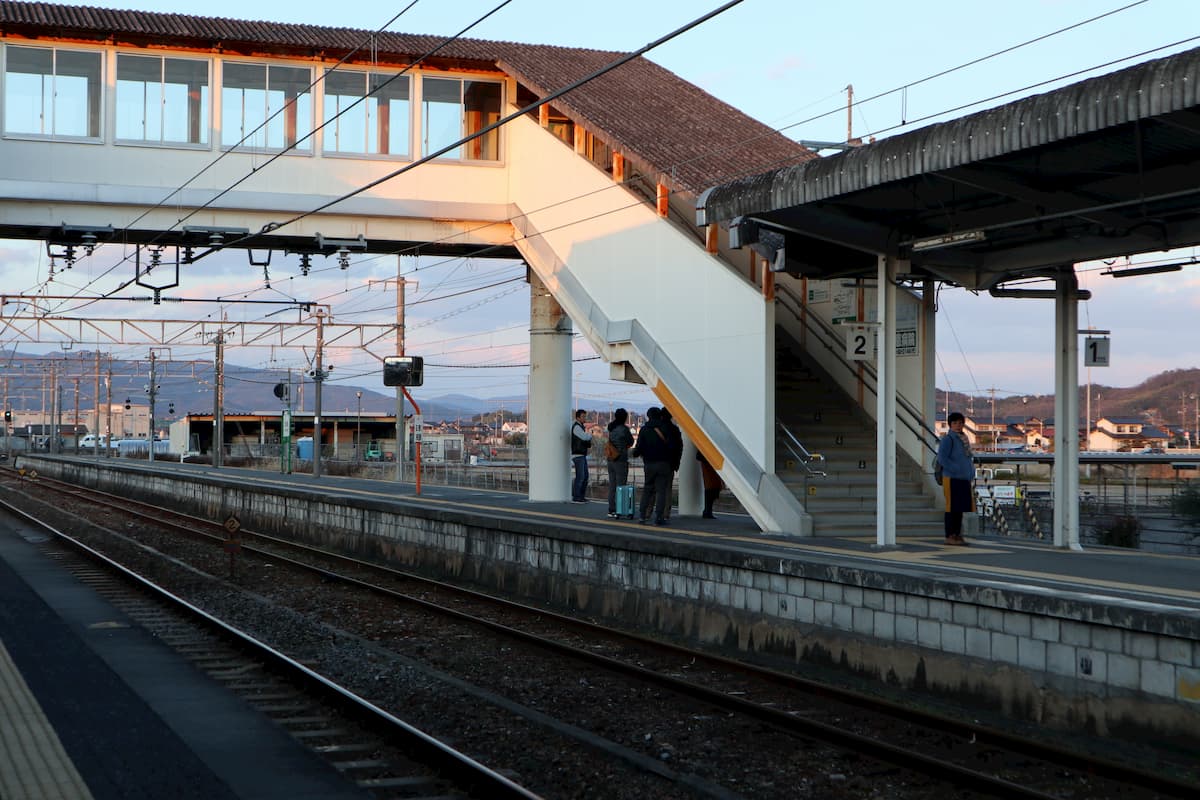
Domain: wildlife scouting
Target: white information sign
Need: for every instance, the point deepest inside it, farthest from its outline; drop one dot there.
(1005, 495)
(907, 343)
(1095, 351)
(418, 424)
(818, 291)
(844, 302)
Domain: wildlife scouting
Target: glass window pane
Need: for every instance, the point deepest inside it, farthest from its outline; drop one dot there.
(390, 114)
(139, 97)
(243, 104)
(441, 115)
(481, 101)
(185, 101)
(345, 126)
(77, 94)
(28, 89)
(289, 107)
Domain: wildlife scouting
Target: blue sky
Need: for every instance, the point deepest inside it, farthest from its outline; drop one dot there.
(787, 64)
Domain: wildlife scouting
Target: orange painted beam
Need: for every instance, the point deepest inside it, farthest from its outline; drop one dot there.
(689, 426)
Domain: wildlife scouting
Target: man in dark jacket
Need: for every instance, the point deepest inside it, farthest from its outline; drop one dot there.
(581, 443)
(654, 446)
(675, 442)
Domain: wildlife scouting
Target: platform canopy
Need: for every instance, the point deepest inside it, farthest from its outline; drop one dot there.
(1106, 167)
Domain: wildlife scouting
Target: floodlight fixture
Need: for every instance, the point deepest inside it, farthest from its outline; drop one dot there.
(1149, 270)
(947, 240)
(1037, 294)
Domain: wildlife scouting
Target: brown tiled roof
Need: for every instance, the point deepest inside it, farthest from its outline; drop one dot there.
(673, 127)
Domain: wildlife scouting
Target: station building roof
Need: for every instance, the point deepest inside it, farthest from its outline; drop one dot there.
(1105, 167)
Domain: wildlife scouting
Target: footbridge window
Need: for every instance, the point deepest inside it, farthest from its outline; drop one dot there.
(268, 106)
(453, 109)
(162, 100)
(366, 113)
(52, 92)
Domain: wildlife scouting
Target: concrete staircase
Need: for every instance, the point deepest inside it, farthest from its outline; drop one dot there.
(827, 421)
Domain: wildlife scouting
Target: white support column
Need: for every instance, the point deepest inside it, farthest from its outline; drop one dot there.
(1066, 412)
(549, 396)
(928, 334)
(885, 407)
(691, 493)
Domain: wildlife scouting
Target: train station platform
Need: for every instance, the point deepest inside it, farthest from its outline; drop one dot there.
(93, 707)
(1106, 639)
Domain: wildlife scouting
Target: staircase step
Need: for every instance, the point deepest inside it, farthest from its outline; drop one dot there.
(827, 421)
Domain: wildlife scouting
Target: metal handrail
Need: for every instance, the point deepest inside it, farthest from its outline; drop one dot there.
(913, 421)
(800, 452)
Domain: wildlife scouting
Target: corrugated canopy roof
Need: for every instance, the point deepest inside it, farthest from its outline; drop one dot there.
(677, 131)
(1105, 167)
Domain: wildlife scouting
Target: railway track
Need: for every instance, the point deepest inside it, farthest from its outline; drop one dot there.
(826, 722)
(373, 749)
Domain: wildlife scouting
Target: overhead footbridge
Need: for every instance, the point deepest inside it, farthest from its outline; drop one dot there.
(129, 133)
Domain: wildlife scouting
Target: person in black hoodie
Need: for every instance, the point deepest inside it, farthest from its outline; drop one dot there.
(654, 448)
(675, 442)
(621, 439)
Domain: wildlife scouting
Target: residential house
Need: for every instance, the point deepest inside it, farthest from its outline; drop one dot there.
(1125, 434)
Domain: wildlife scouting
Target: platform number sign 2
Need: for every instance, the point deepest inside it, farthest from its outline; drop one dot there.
(858, 343)
(1095, 351)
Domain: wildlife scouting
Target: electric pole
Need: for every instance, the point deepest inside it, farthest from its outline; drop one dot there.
(152, 390)
(96, 410)
(318, 375)
(218, 400)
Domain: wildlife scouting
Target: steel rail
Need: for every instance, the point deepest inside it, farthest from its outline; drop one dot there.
(454, 766)
(825, 732)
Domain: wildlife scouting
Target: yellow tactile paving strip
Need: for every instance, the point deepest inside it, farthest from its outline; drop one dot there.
(33, 763)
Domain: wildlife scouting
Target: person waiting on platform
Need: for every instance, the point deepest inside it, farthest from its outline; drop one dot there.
(712, 485)
(655, 450)
(675, 442)
(620, 438)
(581, 443)
(958, 471)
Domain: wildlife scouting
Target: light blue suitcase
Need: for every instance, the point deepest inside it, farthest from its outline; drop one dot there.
(625, 501)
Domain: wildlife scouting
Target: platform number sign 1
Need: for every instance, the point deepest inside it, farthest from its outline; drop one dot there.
(858, 343)
(1095, 351)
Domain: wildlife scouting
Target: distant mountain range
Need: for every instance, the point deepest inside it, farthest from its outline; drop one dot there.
(1168, 398)
(188, 387)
